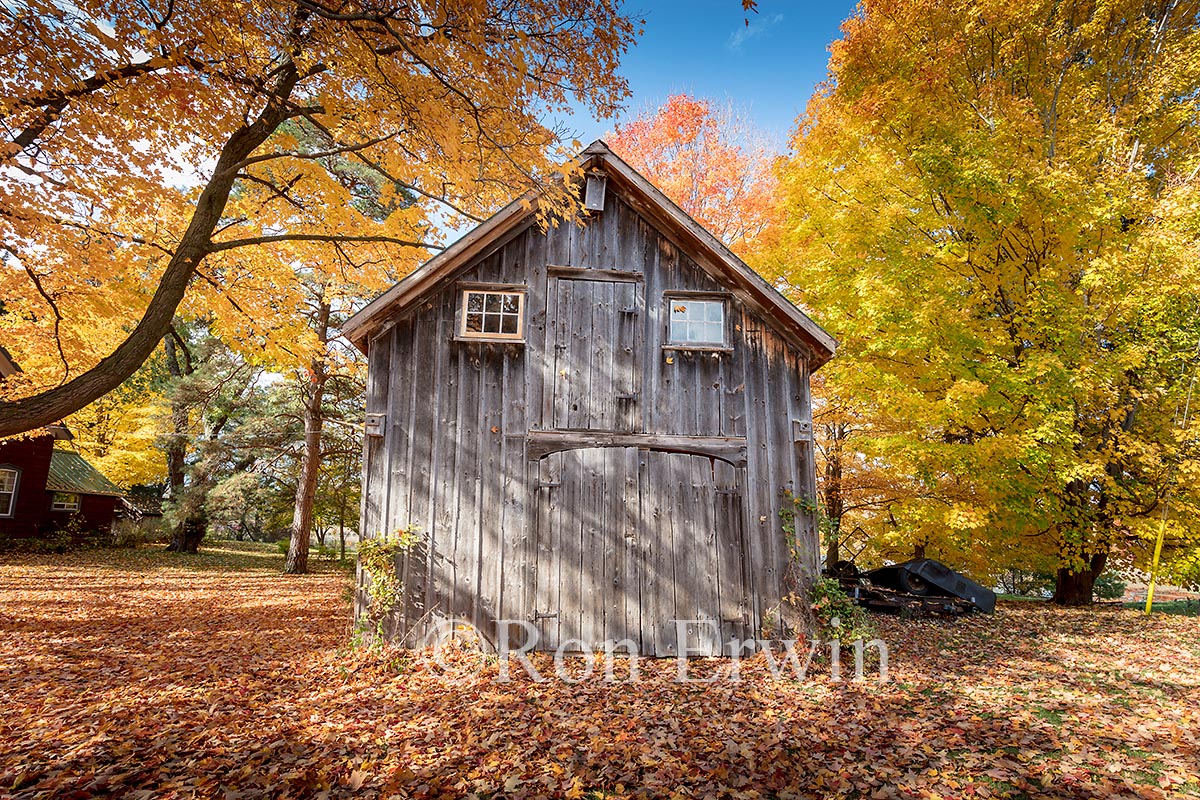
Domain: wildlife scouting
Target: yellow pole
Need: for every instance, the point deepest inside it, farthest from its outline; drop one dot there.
(1162, 525)
(1158, 545)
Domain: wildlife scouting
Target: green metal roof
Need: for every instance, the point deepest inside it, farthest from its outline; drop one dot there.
(70, 473)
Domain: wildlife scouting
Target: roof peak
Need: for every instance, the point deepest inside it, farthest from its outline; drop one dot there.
(709, 252)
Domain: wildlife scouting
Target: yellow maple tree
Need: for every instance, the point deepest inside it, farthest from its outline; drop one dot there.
(993, 207)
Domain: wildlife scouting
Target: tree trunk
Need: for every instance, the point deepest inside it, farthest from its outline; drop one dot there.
(1077, 588)
(176, 447)
(342, 523)
(835, 507)
(310, 462)
(192, 524)
(190, 532)
(190, 528)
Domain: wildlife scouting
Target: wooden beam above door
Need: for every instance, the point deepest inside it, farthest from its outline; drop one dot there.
(731, 449)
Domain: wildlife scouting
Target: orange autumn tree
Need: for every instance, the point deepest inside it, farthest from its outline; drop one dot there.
(171, 155)
(708, 160)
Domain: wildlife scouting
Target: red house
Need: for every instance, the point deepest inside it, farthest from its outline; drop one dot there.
(44, 488)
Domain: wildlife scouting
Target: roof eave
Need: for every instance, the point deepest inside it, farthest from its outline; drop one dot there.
(372, 316)
(762, 295)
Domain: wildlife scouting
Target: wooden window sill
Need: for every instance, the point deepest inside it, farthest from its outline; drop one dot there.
(698, 348)
(486, 340)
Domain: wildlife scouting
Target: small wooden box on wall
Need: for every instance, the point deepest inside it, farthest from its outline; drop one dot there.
(375, 425)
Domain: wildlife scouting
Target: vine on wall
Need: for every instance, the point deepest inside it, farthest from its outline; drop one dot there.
(377, 557)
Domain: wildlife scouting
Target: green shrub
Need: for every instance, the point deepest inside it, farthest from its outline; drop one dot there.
(136, 533)
(1026, 583)
(837, 615)
(1109, 587)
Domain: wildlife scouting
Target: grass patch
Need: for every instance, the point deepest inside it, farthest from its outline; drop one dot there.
(218, 555)
(1185, 608)
(1053, 716)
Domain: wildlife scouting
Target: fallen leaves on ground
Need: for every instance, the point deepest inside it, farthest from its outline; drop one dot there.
(143, 675)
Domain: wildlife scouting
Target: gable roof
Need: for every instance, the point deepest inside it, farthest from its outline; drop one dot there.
(705, 249)
(69, 472)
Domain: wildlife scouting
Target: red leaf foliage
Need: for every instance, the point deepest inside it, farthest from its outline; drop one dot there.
(709, 161)
(135, 678)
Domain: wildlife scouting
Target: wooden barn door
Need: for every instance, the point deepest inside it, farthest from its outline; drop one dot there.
(692, 545)
(596, 343)
(586, 572)
(632, 541)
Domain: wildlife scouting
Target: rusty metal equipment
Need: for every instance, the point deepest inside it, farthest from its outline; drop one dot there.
(918, 587)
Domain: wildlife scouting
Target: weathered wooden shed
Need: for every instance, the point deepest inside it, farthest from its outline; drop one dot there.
(593, 428)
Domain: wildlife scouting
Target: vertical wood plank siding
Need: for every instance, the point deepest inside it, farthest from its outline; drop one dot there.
(595, 544)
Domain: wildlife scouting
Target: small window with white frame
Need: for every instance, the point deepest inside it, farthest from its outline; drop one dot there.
(9, 477)
(696, 321)
(64, 501)
(492, 314)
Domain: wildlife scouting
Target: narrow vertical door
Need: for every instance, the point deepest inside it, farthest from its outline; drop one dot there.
(596, 379)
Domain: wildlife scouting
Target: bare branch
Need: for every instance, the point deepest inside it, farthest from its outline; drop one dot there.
(349, 148)
(37, 282)
(217, 247)
(379, 168)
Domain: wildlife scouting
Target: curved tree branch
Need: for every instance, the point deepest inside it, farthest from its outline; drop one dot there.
(53, 102)
(52, 405)
(217, 247)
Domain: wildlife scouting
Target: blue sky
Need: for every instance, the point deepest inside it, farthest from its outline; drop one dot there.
(704, 48)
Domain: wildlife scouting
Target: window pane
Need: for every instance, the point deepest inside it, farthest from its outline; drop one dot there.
(492, 313)
(697, 322)
(8, 489)
(65, 501)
